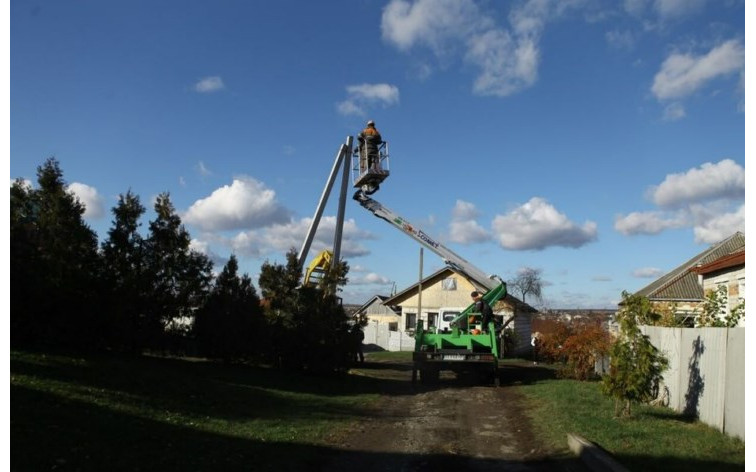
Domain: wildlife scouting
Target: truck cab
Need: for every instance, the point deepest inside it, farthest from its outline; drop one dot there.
(446, 316)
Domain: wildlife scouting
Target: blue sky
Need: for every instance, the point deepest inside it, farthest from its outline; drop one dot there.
(600, 142)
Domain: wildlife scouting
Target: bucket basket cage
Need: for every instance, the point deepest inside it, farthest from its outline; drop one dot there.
(370, 167)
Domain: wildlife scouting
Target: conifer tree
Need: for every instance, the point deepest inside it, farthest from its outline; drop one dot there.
(308, 323)
(124, 271)
(54, 265)
(179, 277)
(635, 365)
(230, 321)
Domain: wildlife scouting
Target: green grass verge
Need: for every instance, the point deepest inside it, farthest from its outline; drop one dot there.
(70, 413)
(389, 356)
(654, 439)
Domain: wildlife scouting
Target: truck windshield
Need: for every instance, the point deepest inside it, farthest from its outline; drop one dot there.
(450, 315)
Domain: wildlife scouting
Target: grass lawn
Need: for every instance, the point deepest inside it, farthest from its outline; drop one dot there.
(389, 356)
(99, 413)
(105, 413)
(654, 439)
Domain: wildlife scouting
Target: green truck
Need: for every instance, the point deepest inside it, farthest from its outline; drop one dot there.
(463, 348)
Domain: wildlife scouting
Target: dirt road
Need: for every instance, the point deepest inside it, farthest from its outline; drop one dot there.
(457, 424)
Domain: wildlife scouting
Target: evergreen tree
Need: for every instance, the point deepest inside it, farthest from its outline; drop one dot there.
(230, 321)
(54, 265)
(179, 276)
(124, 272)
(635, 365)
(308, 323)
(24, 260)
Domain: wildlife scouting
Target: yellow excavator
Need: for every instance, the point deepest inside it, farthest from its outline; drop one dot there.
(318, 267)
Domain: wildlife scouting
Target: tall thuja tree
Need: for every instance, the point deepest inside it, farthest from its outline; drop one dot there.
(308, 323)
(24, 260)
(179, 277)
(124, 272)
(278, 287)
(229, 324)
(54, 265)
(635, 365)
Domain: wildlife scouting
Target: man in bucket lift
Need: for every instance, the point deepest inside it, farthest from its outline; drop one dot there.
(369, 140)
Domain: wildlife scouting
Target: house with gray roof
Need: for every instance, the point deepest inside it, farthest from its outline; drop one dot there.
(683, 287)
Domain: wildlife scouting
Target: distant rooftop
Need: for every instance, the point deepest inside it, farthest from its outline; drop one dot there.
(681, 284)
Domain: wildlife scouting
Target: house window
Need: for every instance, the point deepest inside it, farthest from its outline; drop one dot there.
(410, 321)
(432, 319)
(449, 283)
(393, 326)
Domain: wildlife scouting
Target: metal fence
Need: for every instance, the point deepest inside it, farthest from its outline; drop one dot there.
(706, 375)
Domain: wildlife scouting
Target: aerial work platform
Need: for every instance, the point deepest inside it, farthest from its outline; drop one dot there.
(370, 169)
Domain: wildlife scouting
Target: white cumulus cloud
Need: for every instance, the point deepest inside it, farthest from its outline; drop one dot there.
(209, 85)
(709, 199)
(682, 74)
(433, 23)
(246, 203)
(463, 228)
(507, 64)
(649, 222)
(724, 179)
(362, 96)
(507, 56)
(94, 206)
(720, 226)
(281, 237)
(538, 225)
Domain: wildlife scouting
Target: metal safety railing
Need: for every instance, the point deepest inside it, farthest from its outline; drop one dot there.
(366, 161)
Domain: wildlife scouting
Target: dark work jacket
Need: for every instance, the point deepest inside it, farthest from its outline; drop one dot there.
(371, 139)
(482, 307)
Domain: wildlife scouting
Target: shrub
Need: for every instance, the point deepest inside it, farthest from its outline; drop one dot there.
(549, 346)
(588, 343)
(636, 366)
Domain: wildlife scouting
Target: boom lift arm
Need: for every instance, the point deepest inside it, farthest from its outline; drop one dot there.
(452, 259)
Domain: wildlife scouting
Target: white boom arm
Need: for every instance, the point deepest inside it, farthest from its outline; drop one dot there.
(451, 258)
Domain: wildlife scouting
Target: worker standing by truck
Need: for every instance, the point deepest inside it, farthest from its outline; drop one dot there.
(482, 307)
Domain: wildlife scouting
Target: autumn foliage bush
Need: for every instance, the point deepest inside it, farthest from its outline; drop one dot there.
(550, 343)
(588, 344)
(577, 346)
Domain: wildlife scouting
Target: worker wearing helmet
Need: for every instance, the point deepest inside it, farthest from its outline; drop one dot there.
(369, 140)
